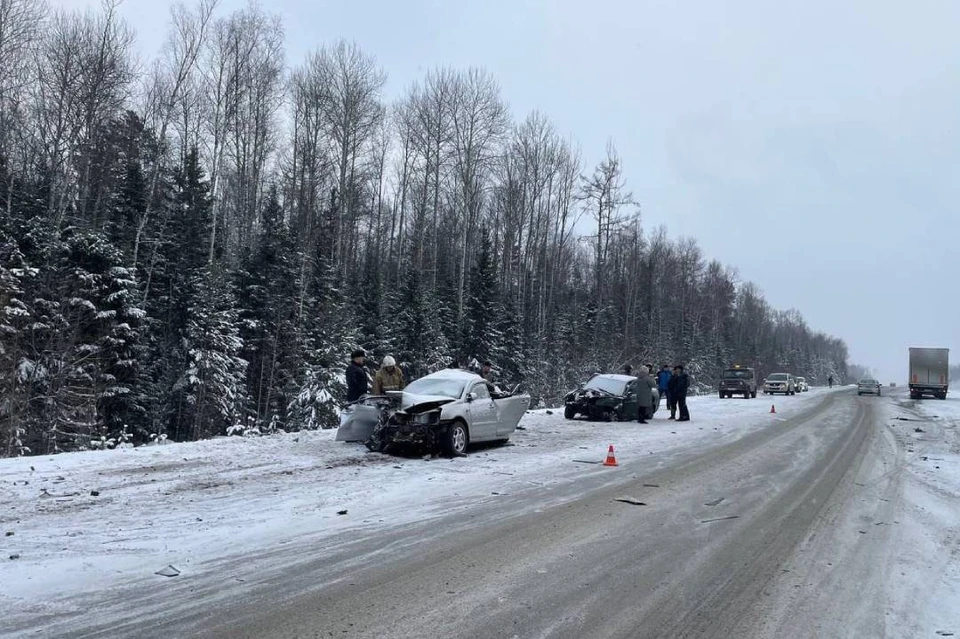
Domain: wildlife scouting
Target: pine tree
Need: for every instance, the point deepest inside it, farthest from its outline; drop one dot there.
(15, 316)
(481, 338)
(210, 392)
(268, 290)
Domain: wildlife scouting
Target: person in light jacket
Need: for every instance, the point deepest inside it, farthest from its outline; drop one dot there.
(645, 385)
(388, 378)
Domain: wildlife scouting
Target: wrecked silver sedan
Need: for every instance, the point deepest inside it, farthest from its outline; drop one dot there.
(445, 411)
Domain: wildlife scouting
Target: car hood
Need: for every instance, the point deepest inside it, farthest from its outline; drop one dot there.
(422, 403)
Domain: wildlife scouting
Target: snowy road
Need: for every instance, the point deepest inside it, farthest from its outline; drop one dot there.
(826, 519)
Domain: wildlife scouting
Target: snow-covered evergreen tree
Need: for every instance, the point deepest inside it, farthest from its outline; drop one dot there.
(211, 392)
(268, 285)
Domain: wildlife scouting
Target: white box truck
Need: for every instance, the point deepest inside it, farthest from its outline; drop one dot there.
(929, 372)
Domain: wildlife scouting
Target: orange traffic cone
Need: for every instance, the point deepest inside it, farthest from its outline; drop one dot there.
(773, 409)
(611, 458)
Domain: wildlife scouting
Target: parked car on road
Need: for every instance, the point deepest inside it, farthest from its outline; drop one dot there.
(802, 385)
(738, 381)
(868, 386)
(606, 397)
(447, 410)
(780, 383)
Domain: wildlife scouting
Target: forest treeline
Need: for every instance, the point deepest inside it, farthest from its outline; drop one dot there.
(192, 245)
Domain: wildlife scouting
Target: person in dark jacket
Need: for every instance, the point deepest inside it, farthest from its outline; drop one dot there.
(645, 385)
(683, 385)
(672, 385)
(356, 376)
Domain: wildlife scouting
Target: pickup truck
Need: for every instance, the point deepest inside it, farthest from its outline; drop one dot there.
(929, 372)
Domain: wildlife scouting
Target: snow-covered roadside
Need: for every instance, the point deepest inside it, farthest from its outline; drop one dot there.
(83, 524)
(924, 585)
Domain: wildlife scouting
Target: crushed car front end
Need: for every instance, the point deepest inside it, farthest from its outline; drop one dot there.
(593, 404)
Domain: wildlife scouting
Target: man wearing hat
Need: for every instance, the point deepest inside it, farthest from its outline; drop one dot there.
(356, 376)
(486, 372)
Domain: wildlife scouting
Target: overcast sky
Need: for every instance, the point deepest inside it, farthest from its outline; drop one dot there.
(812, 144)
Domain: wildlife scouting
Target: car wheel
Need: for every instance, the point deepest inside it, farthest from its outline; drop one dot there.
(569, 412)
(455, 439)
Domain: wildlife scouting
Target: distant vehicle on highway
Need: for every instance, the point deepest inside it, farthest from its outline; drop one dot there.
(868, 386)
(929, 372)
(738, 381)
(780, 383)
(802, 385)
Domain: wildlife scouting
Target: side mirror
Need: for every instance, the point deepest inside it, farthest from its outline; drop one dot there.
(471, 397)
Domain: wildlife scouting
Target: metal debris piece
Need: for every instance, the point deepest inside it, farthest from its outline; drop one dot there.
(630, 500)
(342, 512)
(715, 502)
(169, 571)
(707, 521)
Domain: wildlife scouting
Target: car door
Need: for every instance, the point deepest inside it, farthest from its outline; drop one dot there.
(483, 414)
(630, 406)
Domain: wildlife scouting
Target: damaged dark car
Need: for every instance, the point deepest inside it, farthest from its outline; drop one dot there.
(606, 397)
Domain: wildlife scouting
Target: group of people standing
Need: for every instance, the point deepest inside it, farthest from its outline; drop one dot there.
(388, 377)
(673, 385)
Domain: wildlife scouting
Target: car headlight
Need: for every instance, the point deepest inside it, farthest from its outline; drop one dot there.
(431, 417)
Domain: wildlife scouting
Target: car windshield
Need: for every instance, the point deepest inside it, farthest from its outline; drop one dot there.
(778, 377)
(607, 385)
(441, 386)
(737, 374)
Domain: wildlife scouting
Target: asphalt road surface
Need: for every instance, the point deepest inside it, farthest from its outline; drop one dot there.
(728, 544)
(772, 535)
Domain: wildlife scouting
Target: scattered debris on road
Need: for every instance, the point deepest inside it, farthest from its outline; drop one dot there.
(630, 500)
(918, 430)
(94, 493)
(342, 512)
(169, 571)
(587, 461)
(651, 485)
(15, 556)
(715, 502)
(707, 521)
